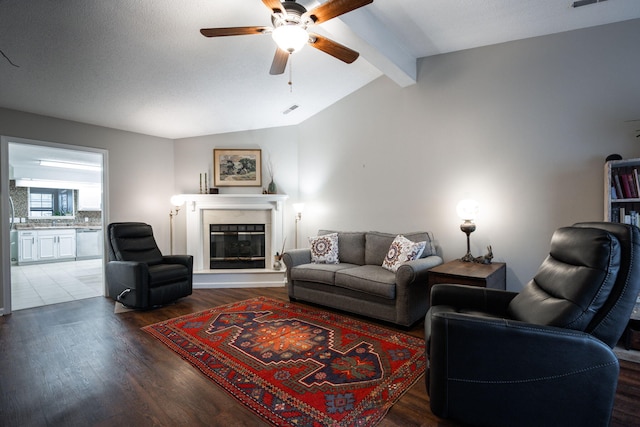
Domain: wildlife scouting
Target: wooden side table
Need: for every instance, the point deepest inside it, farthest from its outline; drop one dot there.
(470, 273)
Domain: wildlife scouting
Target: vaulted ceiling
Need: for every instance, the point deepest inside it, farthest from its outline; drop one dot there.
(143, 65)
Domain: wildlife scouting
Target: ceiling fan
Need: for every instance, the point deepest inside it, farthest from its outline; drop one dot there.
(290, 29)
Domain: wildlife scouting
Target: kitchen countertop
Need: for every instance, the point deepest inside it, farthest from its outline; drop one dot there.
(21, 226)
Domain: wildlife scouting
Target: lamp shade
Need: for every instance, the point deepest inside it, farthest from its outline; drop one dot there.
(298, 207)
(467, 209)
(290, 38)
(177, 200)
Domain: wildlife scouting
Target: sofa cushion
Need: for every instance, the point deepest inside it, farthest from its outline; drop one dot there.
(319, 273)
(377, 245)
(401, 251)
(324, 249)
(350, 246)
(370, 279)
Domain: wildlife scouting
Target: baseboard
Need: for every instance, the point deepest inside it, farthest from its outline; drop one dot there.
(628, 355)
(216, 279)
(236, 285)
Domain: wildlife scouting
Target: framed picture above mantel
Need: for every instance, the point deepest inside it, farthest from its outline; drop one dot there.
(237, 167)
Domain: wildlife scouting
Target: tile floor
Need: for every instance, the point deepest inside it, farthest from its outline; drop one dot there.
(42, 284)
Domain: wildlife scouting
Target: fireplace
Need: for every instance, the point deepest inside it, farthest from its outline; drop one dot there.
(201, 210)
(237, 246)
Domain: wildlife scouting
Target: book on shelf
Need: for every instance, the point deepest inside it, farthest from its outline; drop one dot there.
(633, 187)
(615, 214)
(627, 187)
(625, 216)
(616, 180)
(626, 183)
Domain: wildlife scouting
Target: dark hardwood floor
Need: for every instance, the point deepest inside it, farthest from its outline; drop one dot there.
(79, 364)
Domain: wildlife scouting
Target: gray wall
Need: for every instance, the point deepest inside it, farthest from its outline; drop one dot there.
(140, 175)
(522, 127)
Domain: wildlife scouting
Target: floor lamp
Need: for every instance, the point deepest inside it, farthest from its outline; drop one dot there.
(177, 202)
(298, 207)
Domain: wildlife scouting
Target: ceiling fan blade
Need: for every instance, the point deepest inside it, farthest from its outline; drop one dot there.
(279, 62)
(275, 6)
(334, 8)
(232, 31)
(334, 49)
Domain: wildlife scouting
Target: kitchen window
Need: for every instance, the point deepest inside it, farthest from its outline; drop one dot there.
(48, 202)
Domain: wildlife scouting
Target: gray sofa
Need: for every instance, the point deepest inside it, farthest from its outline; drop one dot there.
(358, 283)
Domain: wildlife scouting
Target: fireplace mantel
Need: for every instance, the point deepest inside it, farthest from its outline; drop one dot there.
(197, 204)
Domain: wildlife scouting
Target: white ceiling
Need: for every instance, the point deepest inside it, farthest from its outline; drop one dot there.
(142, 65)
(24, 162)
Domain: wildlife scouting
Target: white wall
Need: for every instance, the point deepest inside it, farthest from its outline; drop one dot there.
(279, 146)
(522, 127)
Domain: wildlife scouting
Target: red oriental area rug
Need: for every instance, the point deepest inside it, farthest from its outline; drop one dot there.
(295, 366)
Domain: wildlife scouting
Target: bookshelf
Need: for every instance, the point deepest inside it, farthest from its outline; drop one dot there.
(621, 203)
(622, 191)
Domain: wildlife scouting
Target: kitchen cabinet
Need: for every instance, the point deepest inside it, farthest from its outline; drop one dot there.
(27, 246)
(46, 245)
(90, 199)
(56, 244)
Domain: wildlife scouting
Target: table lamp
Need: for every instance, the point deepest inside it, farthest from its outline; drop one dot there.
(467, 211)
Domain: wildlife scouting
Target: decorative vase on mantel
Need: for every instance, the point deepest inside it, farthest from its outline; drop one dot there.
(272, 189)
(277, 261)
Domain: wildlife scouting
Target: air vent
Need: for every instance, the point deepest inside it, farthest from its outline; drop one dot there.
(585, 2)
(290, 109)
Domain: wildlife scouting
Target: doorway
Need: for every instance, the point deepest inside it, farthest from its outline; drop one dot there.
(56, 204)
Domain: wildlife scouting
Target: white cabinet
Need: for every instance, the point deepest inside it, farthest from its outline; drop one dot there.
(56, 244)
(27, 246)
(67, 244)
(90, 198)
(46, 245)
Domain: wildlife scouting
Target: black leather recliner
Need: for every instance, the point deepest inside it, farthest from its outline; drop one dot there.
(541, 357)
(137, 273)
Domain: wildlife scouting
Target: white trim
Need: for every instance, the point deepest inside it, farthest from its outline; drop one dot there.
(266, 278)
(5, 251)
(196, 204)
(5, 233)
(203, 277)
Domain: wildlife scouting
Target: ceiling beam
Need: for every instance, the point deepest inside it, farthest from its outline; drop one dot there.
(365, 33)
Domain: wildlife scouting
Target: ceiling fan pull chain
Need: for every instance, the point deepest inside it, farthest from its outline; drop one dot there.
(290, 73)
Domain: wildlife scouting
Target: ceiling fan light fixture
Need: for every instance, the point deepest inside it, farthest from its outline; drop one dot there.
(290, 38)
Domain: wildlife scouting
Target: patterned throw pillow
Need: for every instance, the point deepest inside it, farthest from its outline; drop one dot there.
(401, 251)
(324, 249)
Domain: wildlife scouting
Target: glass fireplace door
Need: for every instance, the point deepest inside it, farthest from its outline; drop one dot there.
(237, 246)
